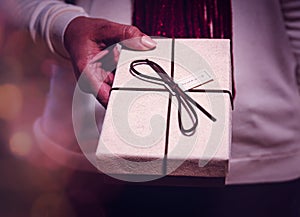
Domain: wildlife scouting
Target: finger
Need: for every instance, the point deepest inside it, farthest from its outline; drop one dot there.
(139, 43)
(88, 64)
(99, 56)
(116, 52)
(133, 38)
(109, 78)
(103, 94)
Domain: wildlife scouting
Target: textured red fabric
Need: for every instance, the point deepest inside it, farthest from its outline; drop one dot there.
(183, 19)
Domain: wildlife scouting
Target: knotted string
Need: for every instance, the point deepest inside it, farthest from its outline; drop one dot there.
(183, 99)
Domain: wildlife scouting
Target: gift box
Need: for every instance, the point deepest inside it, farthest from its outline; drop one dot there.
(169, 113)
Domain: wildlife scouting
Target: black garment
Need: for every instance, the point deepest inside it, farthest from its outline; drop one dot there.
(89, 196)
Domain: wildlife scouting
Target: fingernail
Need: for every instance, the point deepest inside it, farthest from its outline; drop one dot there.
(119, 47)
(148, 42)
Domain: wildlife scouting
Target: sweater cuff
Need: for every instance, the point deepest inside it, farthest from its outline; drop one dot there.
(58, 28)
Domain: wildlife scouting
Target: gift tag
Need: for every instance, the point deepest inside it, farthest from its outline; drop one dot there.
(195, 80)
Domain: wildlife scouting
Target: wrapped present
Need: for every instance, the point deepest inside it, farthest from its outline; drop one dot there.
(169, 113)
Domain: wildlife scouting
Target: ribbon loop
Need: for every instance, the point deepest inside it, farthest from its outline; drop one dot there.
(183, 99)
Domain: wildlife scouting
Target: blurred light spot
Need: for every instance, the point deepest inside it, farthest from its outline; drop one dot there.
(47, 66)
(11, 101)
(52, 204)
(20, 143)
(1, 32)
(13, 69)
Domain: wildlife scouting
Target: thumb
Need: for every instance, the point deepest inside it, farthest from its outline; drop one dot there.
(133, 38)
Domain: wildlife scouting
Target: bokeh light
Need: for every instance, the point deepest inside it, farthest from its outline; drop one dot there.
(52, 204)
(20, 143)
(11, 101)
(2, 31)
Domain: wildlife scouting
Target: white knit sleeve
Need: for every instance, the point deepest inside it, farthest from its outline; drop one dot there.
(291, 15)
(47, 19)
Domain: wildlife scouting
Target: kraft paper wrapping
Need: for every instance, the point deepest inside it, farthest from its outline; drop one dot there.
(141, 135)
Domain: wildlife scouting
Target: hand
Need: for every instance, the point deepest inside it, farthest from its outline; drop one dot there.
(87, 39)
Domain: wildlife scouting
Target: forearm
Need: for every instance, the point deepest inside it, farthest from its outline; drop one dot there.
(46, 19)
